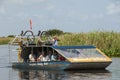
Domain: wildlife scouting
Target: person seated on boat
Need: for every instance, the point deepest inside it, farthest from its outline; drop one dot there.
(48, 56)
(42, 57)
(53, 57)
(61, 58)
(55, 41)
(32, 57)
(40, 42)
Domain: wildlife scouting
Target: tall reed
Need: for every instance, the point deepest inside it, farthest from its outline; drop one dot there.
(108, 42)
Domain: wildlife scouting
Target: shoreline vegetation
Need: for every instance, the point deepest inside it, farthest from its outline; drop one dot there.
(5, 40)
(108, 42)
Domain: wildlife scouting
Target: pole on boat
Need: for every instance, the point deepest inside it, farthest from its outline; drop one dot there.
(9, 55)
(30, 24)
(43, 61)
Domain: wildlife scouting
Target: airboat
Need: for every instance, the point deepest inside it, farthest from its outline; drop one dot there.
(74, 57)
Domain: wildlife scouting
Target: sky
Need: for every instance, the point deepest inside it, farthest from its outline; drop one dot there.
(66, 15)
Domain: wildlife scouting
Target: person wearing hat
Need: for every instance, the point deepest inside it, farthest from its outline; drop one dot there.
(55, 41)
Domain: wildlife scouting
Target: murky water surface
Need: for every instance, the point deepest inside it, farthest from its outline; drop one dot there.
(7, 73)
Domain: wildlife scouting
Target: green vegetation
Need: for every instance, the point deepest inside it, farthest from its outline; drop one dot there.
(11, 36)
(5, 40)
(54, 32)
(108, 42)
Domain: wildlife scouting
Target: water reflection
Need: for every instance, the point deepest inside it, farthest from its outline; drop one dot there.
(39, 75)
(64, 75)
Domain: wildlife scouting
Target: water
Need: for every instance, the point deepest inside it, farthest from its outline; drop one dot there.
(7, 73)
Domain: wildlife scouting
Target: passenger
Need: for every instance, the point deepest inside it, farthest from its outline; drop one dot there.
(31, 57)
(42, 57)
(48, 57)
(53, 57)
(40, 42)
(55, 41)
(61, 58)
(56, 56)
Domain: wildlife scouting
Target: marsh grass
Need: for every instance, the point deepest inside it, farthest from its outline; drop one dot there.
(108, 42)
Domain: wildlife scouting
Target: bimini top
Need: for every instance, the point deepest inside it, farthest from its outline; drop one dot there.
(73, 47)
(81, 53)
